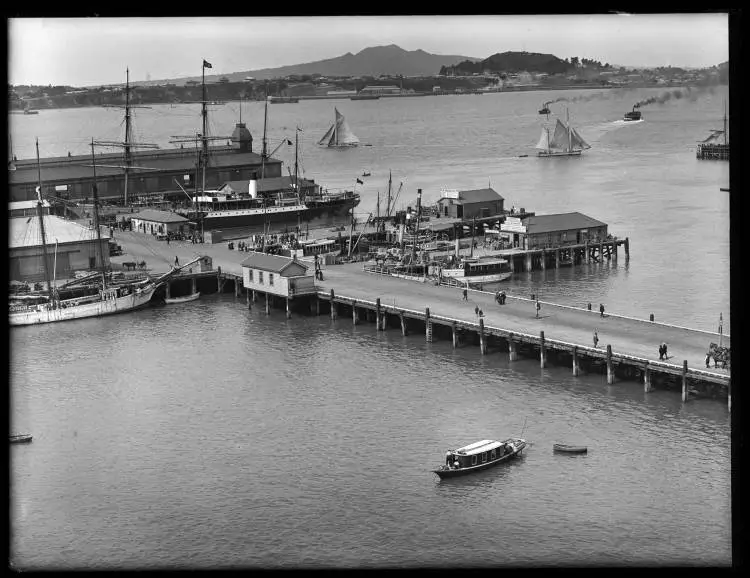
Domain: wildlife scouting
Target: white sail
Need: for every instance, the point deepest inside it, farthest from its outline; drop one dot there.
(543, 143)
(559, 141)
(577, 141)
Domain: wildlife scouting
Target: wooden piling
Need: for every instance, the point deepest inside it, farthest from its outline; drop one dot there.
(528, 261)
(610, 369)
(512, 349)
(646, 378)
(236, 287)
(557, 258)
(194, 285)
(218, 283)
(377, 314)
(427, 325)
(614, 250)
(169, 289)
(544, 259)
(512, 263)
(288, 309)
(587, 252)
(268, 306)
(255, 296)
(601, 252)
(354, 313)
(454, 327)
(542, 351)
(334, 308)
(684, 381)
(317, 304)
(247, 299)
(403, 323)
(627, 247)
(482, 338)
(576, 367)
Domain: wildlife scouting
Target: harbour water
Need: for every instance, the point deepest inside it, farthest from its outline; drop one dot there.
(207, 436)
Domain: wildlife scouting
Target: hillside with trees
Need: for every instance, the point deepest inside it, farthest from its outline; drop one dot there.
(511, 62)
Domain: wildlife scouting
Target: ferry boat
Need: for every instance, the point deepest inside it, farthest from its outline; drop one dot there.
(483, 273)
(632, 115)
(479, 456)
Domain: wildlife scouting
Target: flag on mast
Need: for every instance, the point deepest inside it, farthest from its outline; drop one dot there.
(207, 64)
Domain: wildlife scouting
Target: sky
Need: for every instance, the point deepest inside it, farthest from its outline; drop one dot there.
(96, 51)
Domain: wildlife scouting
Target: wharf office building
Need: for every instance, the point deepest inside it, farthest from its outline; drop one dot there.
(71, 177)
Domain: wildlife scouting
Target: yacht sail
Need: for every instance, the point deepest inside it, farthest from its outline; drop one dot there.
(339, 134)
(563, 140)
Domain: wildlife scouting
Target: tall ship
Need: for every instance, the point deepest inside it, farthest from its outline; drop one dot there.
(263, 201)
(96, 298)
(339, 134)
(561, 141)
(712, 147)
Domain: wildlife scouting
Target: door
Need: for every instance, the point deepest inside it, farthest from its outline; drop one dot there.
(460, 211)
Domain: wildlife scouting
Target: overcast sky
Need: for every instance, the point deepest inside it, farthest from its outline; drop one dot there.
(94, 51)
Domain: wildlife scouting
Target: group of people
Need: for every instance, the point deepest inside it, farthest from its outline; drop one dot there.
(256, 242)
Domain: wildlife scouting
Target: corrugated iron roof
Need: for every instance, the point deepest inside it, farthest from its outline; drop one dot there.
(25, 232)
(159, 216)
(267, 184)
(559, 222)
(477, 196)
(78, 167)
(20, 205)
(272, 263)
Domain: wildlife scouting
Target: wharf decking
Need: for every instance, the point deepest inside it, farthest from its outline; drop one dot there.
(628, 347)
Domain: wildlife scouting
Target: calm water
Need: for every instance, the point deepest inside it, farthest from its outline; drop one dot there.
(204, 435)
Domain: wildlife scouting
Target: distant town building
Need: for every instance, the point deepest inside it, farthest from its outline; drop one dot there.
(384, 89)
(159, 222)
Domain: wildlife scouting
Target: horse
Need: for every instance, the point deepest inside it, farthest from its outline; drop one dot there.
(142, 265)
(130, 265)
(719, 354)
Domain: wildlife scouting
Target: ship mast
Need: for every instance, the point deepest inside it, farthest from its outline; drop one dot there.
(296, 163)
(264, 152)
(40, 212)
(388, 204)
(725, 122)
(570, 142)
(95, 191)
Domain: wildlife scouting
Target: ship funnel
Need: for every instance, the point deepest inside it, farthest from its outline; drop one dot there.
(253, 189)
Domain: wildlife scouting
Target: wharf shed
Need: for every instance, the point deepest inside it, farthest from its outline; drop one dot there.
(153, 171)
(159, 222)
(468, 204)
(282, 276)
(542, 231)
(70, 247)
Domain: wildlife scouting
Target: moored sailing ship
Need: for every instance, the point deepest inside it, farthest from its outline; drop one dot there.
(710, 148)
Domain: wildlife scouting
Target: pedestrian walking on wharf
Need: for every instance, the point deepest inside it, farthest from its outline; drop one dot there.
(167, 240)
(466, 295)
(538, 307)
(176, 261)
(481, 313)
(663, 351)
(708, 358)
(596, 339)
(476, 310)
(601, 309)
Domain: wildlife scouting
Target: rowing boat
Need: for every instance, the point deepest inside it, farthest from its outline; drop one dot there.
(569, 449)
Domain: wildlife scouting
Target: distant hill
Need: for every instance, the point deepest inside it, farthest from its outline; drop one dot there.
(512, 62)
(373, 61)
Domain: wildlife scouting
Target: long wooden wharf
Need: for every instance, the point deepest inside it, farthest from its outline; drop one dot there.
(560, 335)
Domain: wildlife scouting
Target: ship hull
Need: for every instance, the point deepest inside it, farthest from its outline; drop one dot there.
(37, 316)
(573, 153)
(253, 218)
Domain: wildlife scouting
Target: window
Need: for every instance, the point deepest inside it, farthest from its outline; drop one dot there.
(260, 277)
(493, 455)
(250, 275)
(474, 460)
(565, 236)
(484, 457)
(270, 278)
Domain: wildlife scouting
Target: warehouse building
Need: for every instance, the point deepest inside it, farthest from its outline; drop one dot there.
(543, 231)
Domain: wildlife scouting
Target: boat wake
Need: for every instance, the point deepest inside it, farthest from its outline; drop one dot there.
(622, 122)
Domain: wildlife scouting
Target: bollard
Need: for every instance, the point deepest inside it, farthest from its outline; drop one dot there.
(610, 369)
(542, 351)
(651, 317)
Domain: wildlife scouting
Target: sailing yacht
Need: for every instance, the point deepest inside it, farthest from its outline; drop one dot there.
(563, 141)
(106, 301)
(339, 134)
